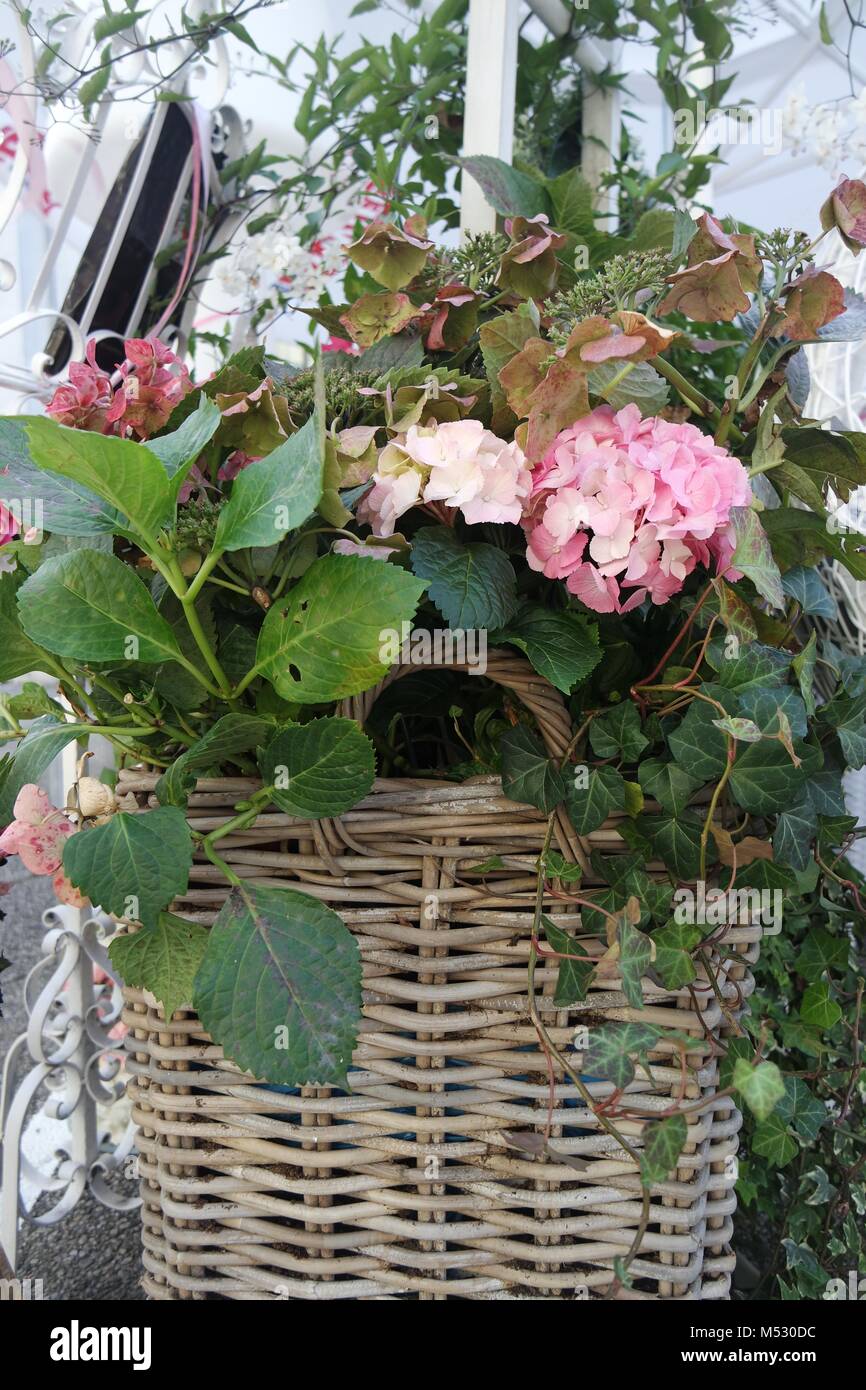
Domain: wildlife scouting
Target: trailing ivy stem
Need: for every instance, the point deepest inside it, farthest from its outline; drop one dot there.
(544, 1037)
(714, 801)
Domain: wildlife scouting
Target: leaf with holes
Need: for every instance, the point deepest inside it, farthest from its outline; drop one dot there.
(162, 958)
(279, 987)
(338, 631)
(318, 769)
(133, 865)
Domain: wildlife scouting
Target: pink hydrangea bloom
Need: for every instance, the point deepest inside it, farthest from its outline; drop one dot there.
(37, 835)
(154, 381)
(83, 402)
(460, 464)
(624, 507)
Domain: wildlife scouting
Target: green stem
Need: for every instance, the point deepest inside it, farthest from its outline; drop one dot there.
(210, 562)
(691, 395)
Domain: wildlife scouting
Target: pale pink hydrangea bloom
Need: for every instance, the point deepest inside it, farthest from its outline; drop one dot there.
(460, 464)
(624, 507)
(37, 835)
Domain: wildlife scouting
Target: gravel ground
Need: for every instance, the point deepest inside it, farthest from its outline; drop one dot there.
(93, 1253)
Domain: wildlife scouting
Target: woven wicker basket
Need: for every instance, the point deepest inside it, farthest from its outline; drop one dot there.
(407, 1187)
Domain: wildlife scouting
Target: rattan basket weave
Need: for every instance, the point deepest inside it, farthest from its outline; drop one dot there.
(407, 1187)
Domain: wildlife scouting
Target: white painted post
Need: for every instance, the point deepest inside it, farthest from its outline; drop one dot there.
(488, 121)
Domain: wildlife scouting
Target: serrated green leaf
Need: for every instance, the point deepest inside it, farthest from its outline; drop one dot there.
(163, 959)
(561, 645)
(338, 631)
(178, 451)
(318, 769)
(277, 493)
(45, 738)
(229, 736)
(18, 655)
(473, 585)
(280, 987)
(126, 475)
(92, 607)
(133, 865)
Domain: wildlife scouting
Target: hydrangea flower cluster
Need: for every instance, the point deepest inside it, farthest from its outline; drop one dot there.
(459, 463)
(150, 383)
(624, 507)
(37, 835)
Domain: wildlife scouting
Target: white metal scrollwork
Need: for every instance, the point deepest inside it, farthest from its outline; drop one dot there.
(65, 1067)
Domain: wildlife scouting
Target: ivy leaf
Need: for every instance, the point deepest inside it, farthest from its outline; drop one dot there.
(589, 807)
(617, 733)
(277, 493)
(772, 1141)
(795, 831)
(635, 958)
(318, 769)
(674, 944)
(92, 607)
(764, 708)
(677, 842)
(163, 959)
(848, 718)
(280, 987)
(129, 478)
(528, 775)
(45, 738)
(756, 665)
(817, 1008)
(230, 735)
(663, 1143)
(763, 777)
(821, 951)
(329, 637)
(807, 588)
(667, 782)
(753, 556)
(698, 747)
(801, 1109)
(561, 645)
(473, 585)
(610, 1049)
(133, 865)
(573, 978)
(761, 1087)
